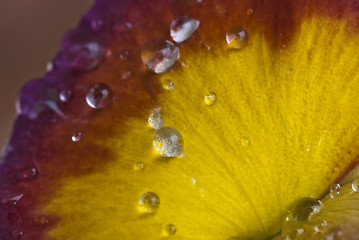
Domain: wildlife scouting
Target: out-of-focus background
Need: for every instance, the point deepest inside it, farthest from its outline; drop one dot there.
(30, 34)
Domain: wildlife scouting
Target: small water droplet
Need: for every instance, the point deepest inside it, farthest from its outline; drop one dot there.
(305, 208)
(210, 98)
(237, 37)
(123, 26)
(44, 220)
(10, 194)
(168, 85)
(81, 53)
(334, 190)
(126, 75)
(335, 233)
(182, 28)
(169, 230)
(96, 24)
(124, 55)
(99, 95)
(155, 120)
(292, 230)
(245, 141)
(249, 11)
(139, 166)
(355, 185)
(168, 142)
(29, 174)
(49, 66)
(65, 95)
(149, 202)
(321, 226)
(77, 136)
(159, 55)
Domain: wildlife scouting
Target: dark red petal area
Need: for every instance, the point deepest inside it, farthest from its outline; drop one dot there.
(105, 47)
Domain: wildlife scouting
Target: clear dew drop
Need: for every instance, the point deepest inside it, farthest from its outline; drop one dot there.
(29, 174)
(355, 185)
(77, 136)
(155, 120)
(321, 226)
(249, 11)
(99, 95)
(139, 166)
(305, 208)
(245, 141)
(168, 85)
(126, 75)
(159, 55)
(65, 95)
(237, 37)
(334, 190)
(182, 28)
(149, 202)
(168, 142)
(169, 230)
(210, 98)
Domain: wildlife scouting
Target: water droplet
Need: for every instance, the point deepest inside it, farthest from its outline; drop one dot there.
(182, 28)
(245, 142)
(77, 136)
(334, 190)
(159, 55)
(335, 233)
(126, 75)
(168, 142)
(292, 230)
(149, 202)
(81, 54)
(44, 220)
(169, 230)
(139, 166)
(124, 55)
(123, 26)
(249, 11)
(29, 174)
(210, 98)
(155, 120)
(9, 194)
(99, 95)
(65, 95)
(355, 185)
(169, 85)
(49, 66)
(305, 208)
(321, 226)
(237, 37)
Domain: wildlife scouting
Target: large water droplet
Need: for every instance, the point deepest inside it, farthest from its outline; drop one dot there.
(334, 190)
(159, 55)
(355, 185)
(305, 208)
(237, 37)
(99, 95)
(77, 136)
(155, 120)
(80, 52)
(149, 202)
(182, 28)
(168, 142)
(169, 230)
(210, 98)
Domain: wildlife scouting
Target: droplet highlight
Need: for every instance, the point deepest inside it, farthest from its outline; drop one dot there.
(237, 37)
(355, 185)
(182, 28)
(334, 190)
(149, 202)
(99, 95)
(210, 98)
(65, 95)
(168, 142)
(77, 136)
(159, 55)
(169, 230)
(155, 120)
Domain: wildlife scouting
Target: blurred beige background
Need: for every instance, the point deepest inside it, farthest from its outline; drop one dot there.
(30, 33)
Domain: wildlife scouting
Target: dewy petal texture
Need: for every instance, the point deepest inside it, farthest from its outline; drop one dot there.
(282, 124)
